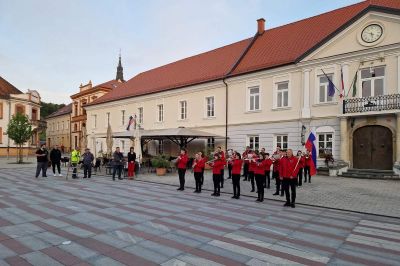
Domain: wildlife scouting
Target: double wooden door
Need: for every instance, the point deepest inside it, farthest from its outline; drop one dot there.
(373, 148)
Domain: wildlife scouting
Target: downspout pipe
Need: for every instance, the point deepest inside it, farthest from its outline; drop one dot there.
(226, 112)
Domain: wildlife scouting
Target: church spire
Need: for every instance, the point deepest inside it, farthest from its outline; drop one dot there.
(120, 70)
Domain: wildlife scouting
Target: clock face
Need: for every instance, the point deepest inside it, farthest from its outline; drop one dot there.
(371, 33)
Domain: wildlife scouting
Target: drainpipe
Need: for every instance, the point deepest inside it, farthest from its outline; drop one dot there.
(226, 113)
(8, 137)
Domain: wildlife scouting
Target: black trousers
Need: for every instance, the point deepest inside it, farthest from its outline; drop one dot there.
(197, 179)
(181, 174)
(251, 178)
(246, 170)
(229, 171)
(236, 185)
(260, 186)
(222, 178)
(292, 184)
(87, 170)
(279, 186)
(54, 164)
(300, 177)
(307, 172)
(216, 180)
(75, 170)
(117, 168)
(41, 166)
(267, 179)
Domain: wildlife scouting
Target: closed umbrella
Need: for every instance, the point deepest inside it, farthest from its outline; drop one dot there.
(109, 140)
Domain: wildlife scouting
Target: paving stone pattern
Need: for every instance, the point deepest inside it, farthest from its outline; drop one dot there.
(52, 221)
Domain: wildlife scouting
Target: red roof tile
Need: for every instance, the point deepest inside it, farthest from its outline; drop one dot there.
(7, 88)
(62, 111)
(275, 47)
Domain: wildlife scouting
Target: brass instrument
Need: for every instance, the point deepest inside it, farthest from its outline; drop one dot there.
(210, 161)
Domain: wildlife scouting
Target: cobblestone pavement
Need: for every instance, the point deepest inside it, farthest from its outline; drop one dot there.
(53, 221)
(363, 195)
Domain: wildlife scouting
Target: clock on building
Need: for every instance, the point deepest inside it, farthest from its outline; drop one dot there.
(371, 33)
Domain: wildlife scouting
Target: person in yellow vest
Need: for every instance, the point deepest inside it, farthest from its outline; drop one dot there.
(75, 158)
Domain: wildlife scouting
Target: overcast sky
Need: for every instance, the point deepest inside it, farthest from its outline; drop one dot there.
(53, 46)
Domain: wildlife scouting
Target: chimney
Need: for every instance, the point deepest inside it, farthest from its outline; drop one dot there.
(260, 26)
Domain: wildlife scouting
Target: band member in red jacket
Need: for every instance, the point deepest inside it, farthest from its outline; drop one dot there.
(259, 172)
(236, 163)
(289, 168)
(301, 167)
(217, 164)
(267, 179)
(307, 163)
(222, 157)
(246, 163)
(275, 170)
(252, 157)
(182, 163)
(198, 168)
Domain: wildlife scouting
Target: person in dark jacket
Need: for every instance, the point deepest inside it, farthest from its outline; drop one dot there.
(55, 158)
(87, 161)
(118, 163)
(42, 161)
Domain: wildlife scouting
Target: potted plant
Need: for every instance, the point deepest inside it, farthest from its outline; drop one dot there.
(161, 164)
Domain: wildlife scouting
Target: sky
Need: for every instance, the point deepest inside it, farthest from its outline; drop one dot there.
(53, 46)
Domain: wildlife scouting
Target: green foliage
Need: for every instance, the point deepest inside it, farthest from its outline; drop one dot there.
(160, 161)
(49, 108)
(20, 131)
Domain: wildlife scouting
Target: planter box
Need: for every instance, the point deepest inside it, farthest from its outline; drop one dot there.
(161, 171)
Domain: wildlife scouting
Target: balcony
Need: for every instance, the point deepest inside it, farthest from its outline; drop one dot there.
(39, 124)
(372, 104)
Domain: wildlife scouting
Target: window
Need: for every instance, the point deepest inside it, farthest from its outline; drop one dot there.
(19, 109)
(1, 110)
(67, 125)
(372, 81)
(76, 109)
(281, 141)
(107, 119)
(282, 94)
(1, 135)
(253, 142)
(211, 143)
(160, 113)
(323, 88)
(325, 141)
(75, 127)
(160, 146)
(94, 121)
(183, 110)
(140, 111)
(123, 117)
(210, 106)
(34, 114)
(254, 98)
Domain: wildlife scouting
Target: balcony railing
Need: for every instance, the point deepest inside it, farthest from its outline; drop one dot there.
(371, 104)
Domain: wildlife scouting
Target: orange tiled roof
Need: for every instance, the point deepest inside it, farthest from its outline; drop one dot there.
(108, 85)
(275, 47)
(6, 88)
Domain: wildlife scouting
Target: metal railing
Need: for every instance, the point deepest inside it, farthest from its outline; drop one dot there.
(373, 103)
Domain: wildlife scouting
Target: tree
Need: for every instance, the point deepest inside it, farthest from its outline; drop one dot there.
(49, 108)
(20, 131)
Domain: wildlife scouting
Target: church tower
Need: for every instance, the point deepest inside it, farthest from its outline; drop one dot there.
(120, 70)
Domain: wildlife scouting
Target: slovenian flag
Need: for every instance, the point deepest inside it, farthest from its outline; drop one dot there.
(310, 146)
(131, 121)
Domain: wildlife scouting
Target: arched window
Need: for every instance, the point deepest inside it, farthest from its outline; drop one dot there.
(19, 109)
(325, 141)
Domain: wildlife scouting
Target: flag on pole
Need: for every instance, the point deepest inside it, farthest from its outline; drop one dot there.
(131, 121)
(310, 146)
(331, 88)
(342, 83)
(355, 84)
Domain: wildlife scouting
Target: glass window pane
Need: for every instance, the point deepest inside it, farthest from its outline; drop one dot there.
(365, 73)
(285, 146)
(379, 71)
(329, 98)
(279, 102)
(278, 139)
(378, 87)
(251, 103)
(286, 98)
(257, 102)
(322, 90)
(323, 79)
(329, 145)
(366, 88)
(321, 137)
(285, 138)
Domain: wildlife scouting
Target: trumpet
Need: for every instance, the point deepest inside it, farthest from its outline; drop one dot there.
(211, 161)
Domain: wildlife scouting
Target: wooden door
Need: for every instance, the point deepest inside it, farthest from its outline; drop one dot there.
(373, 148)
